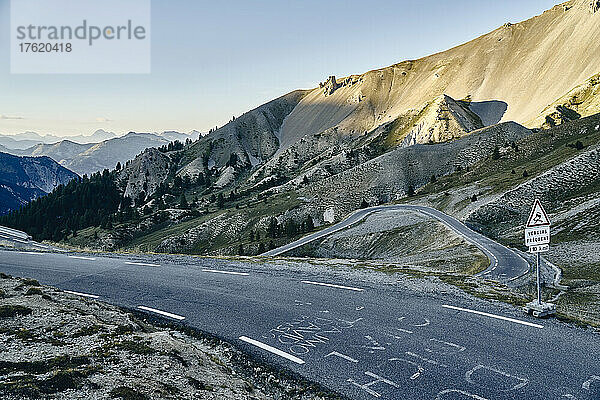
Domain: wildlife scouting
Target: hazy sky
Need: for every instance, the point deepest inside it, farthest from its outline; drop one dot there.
(215, 59)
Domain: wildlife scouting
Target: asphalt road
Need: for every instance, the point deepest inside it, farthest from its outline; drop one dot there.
(365, 338)
(505, 263)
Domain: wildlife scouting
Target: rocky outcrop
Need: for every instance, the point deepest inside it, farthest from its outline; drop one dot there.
(329, 86)
(145, 173)
(440, 121)
(581, 101)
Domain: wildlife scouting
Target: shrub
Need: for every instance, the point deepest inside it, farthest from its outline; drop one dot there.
(496, 153)
(126, 393)
(33, 291)
(9, 311)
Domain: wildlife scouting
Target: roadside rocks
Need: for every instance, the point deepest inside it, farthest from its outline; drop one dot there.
(56, 345)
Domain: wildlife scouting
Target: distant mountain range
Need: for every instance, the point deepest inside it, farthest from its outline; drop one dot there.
(23, 179)
(27, 139)
(87, 158)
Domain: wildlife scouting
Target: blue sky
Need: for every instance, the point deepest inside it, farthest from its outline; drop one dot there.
(212, 60)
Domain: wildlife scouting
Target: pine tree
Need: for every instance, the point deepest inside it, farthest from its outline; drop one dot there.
(183, 202)
(496, 153)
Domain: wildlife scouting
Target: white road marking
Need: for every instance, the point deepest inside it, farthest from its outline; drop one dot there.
(419, 368)
(586, 385)
(166, 314)
(30, 252)
(367, 386)
(20, 241)
(333, 286)
(340, 355)
(424, 324)
(523, 381)
(216, 271)
(141, 264)
(83, 258)
(93, 296)
(272, 350)
(455, 347)
(433, 362)
(461, 392)
(494, 316)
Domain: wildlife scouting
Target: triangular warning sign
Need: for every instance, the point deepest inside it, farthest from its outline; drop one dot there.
(538, 216)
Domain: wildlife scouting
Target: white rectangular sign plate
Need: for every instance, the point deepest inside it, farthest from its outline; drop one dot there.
(542, 248)
(537, 236)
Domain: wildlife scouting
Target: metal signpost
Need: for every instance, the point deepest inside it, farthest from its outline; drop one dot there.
(537, 238)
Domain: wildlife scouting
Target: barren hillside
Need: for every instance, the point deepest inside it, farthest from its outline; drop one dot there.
(520, 68)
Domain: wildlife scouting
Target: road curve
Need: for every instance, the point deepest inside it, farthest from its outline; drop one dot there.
(505, 264)
(363, 334)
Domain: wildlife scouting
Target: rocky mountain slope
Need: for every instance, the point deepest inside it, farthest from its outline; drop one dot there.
(23, 179)
(511, 74)
(582, 101)
(310, 157)
(252, 138)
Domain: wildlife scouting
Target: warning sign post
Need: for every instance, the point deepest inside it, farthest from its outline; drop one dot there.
(537, 239)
